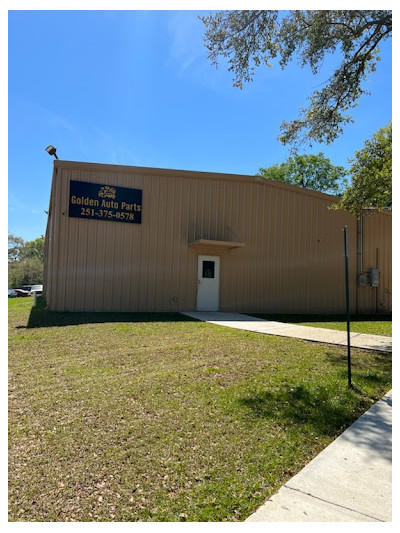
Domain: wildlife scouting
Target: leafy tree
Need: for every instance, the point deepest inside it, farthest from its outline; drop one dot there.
(25, 261)
(371, 172)
(34, 248)
(253, 38)
(26, 272)
(310, 171)
(15, 245)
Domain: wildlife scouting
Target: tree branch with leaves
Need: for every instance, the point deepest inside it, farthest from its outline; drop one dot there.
(371, 171)
(249, 39)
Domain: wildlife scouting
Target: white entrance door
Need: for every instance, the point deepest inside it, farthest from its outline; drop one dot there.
(208, 283)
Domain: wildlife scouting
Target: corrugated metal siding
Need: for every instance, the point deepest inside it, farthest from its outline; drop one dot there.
(292, 261)
(377, 253)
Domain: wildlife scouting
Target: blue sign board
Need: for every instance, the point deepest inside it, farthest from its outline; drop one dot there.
(105, 202)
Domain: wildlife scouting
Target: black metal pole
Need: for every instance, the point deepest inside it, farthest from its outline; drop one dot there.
(346, 266)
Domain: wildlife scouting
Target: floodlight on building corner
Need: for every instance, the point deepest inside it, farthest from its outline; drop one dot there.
(51, 151)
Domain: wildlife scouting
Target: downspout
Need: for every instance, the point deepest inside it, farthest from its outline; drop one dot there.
(361, 242)
(360, 253)
(377, 288)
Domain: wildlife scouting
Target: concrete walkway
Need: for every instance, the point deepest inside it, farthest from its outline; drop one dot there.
(349, 481)
(269, 327)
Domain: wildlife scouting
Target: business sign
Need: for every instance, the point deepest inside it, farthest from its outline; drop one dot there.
(105, 202)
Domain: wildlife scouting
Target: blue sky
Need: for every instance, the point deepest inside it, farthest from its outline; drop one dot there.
(136, 88)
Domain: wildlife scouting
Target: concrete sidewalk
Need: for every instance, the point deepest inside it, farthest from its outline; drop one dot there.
(269, 327)
(349, 481)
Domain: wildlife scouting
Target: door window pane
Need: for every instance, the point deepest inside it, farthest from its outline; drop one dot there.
(208, 269)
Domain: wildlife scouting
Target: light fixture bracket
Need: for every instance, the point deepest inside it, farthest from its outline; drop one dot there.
(51, 151)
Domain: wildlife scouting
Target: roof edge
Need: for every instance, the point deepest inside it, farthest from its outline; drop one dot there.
(196, 174)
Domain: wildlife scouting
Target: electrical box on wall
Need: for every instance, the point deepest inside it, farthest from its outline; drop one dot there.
(362, 280)
(374, 277)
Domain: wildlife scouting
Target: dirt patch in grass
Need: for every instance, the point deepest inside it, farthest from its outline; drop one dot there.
(151, 419)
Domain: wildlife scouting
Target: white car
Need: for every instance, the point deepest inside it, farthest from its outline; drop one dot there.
(37, 288)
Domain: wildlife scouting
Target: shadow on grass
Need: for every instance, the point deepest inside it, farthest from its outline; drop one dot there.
(363, 368)
(327, 411)
(328, 414)
(40, 317)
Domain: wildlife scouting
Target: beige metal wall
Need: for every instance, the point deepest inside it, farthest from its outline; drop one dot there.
(291, 262)
(376, 252)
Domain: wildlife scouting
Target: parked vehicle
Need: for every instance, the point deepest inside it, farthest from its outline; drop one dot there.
(21, 292)
(37, 288)
(26, 288)
(12, 293)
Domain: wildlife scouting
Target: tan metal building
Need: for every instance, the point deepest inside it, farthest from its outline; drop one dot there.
(125, 238)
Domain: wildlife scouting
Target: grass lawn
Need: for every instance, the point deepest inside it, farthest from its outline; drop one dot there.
(155, 417)
(375, 325)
